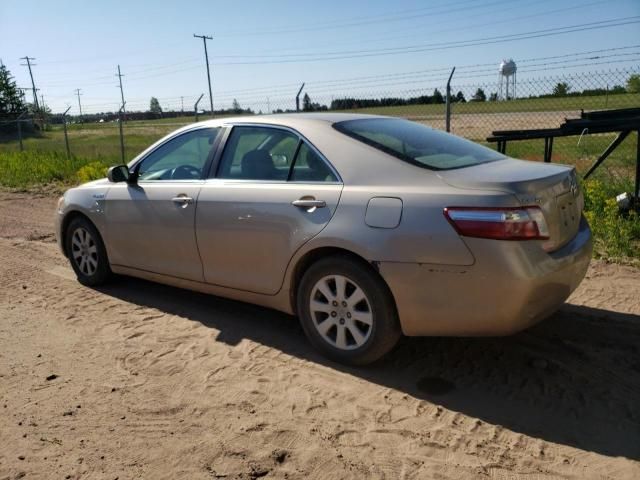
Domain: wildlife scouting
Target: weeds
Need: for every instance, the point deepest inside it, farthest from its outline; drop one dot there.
(32, 168)
(616, 234)
(92, 171)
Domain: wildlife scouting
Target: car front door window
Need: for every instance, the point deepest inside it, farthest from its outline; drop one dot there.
(181, 158)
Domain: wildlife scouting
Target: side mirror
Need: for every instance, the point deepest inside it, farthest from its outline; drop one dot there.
(119, 173)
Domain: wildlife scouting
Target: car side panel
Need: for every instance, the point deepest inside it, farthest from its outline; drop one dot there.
(423, 234)
(247, 231)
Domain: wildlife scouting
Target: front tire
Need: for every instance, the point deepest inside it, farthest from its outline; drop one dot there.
(347, 311)
(86, 252)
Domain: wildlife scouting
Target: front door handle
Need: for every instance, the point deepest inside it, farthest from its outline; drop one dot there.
(309, 203)
(183, 200)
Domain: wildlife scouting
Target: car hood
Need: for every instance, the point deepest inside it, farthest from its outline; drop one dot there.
(96, 183)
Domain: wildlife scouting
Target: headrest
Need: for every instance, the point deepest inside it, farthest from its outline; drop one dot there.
(257, 165)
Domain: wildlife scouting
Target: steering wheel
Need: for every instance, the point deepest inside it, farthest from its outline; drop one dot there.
(185, 172)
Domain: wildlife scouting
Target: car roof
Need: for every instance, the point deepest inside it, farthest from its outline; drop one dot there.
(290, 119)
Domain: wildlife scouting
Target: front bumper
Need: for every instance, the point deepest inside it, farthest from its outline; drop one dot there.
(511, 286)
(59, 215)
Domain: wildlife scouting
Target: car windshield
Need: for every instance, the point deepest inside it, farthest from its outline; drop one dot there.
(417, 144)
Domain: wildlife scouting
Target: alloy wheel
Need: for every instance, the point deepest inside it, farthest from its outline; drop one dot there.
(84, 251)
(341, 312)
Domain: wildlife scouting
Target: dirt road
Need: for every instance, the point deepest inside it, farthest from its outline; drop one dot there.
(137, 380)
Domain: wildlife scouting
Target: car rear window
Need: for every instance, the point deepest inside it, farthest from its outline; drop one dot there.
(416, 143)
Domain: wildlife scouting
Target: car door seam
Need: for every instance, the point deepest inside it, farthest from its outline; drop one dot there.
(286, 270)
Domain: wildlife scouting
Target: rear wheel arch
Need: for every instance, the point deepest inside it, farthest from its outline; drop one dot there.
(346, 309)
(317, 254)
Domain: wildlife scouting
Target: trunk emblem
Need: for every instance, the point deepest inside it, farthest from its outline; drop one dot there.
(574, 187)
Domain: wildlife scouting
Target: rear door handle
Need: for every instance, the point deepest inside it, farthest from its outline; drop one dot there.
(309, 203)
(182, 200)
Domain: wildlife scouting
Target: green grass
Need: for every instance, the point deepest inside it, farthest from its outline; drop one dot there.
(567, 150)
(555, 104)
(95, 141)
(22, 170)
(616, 235)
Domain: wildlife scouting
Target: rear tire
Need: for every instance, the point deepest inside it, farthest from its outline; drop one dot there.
(86, 252)
(347, 311)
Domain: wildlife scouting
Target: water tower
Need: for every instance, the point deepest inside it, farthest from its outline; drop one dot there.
(507, 79)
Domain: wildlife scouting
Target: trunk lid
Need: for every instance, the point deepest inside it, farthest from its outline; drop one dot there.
(554, 188)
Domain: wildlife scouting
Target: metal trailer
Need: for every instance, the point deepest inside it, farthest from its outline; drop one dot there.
(624, 121)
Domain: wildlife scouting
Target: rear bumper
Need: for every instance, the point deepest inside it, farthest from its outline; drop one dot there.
(511, 286)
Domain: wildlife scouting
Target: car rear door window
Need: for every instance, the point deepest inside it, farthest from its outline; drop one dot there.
(276, 154)
(310, 167)
(258, 153)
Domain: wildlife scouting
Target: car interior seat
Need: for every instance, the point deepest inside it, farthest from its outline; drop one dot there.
(258, 165)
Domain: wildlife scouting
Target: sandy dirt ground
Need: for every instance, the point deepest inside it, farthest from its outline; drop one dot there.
(138, 380)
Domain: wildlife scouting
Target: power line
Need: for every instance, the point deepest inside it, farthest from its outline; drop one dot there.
(445, 46)
(339, 81)
(446, 9)
(345, 54)
(458, 27)
(347, 21)
(288, 86)
(465, 28)
(399, 78)
(419, 74)
(206, 58)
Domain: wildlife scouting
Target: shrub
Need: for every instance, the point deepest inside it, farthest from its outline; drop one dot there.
(616, 234)
(91, 171)
(32, 168)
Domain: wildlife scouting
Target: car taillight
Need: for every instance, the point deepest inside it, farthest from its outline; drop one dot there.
(526, 223)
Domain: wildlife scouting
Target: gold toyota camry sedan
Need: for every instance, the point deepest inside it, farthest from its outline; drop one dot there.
(365, 227)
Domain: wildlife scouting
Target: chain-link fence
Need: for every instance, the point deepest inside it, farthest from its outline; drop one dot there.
(477, 109)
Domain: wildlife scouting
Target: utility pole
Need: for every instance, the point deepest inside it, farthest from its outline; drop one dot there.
(66, 137)
(33, 84)
(206, 58)
(120, 120)
(182, 103)
(120, 75)
(79, 104)
(43, 107)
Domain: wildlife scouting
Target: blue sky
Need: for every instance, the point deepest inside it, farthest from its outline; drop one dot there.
(262, 50)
